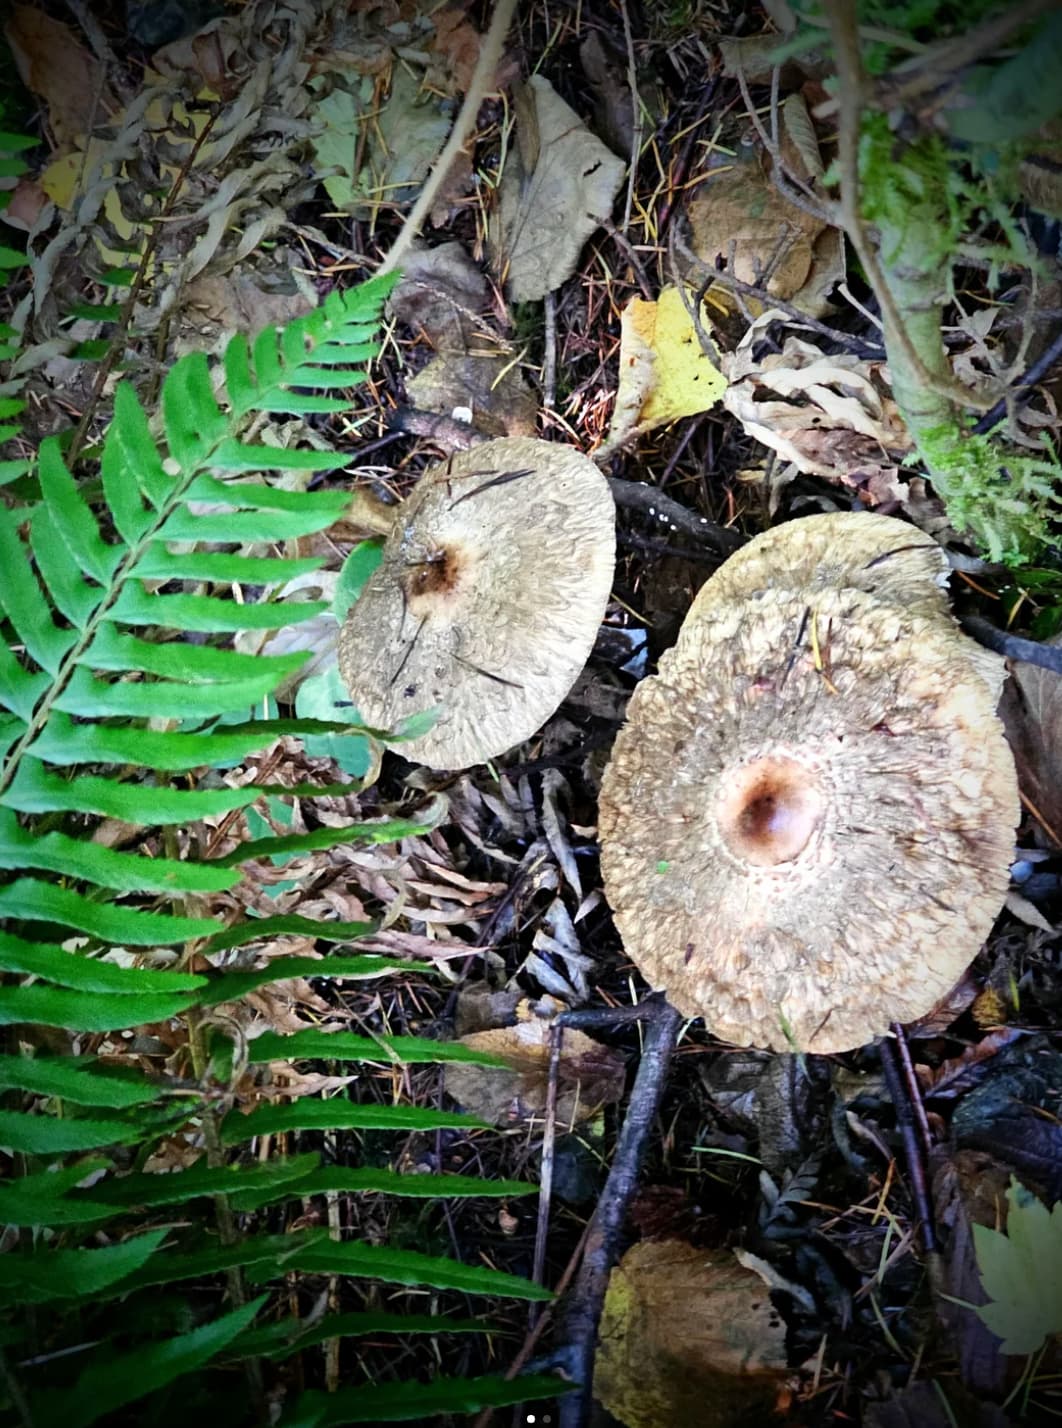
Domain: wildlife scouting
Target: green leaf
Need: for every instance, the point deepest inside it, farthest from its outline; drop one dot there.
(267, 929)
(231, 986)
(19, 689)
(43, 1199)
(89, 1085)
(36, 901)
(44, 1135)
(130, 456)
(113, 1381)
(386, 831)
(64, 742)
(243, 527)
(271, 1256)
(158, 563)
(195, 424)
(346, 1181)
(1022, 1272)
(280, 1340)
(72, 1273)
(98, 699)
(340, 1114)
(123, 872)
(23, 603)
(345, 1046)
(417, 1402)
(73, 596)
(269, 1182)
(1000, 104)
(36, 790)
(325, 696)
(72, 518)
(88, 1011)
(410, 1267)
(207, 615)
(359, 565)
(233, 455)
(111, 649)
(85, 974)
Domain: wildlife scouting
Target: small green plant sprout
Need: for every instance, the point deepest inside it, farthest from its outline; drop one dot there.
(1022, 1272)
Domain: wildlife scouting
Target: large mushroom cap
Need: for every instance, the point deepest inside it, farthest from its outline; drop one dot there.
(843, 550)
(486, 603)
(806, 824)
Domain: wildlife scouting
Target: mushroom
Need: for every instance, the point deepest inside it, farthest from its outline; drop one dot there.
(807, 821)
(876, 554)
(486, 603)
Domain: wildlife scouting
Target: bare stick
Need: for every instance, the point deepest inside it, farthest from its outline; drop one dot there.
(482, 76)
(652, 502)
(545, 1184)
(602, 1245)
(1013, 646)
(850, 89)
(636, 116)
(892, 1066)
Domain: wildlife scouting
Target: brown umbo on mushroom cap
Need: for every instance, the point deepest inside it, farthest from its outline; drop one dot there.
(485, 606)
(806, 824)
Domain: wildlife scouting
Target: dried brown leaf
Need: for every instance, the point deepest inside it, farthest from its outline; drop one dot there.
(69, 79)
(1031, 710)
(687, 1336)
(589, 1075)
(549, 211)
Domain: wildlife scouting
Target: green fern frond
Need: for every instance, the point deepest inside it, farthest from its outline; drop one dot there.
(11, 260)
(121, 616)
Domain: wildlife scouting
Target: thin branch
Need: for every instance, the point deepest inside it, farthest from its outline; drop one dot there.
(482, 77)
(602, 1246)
(652, 502)
(1023, 389)
(1013, 646)
(916, 77)
(892, 1066)
(859, 346)
(851, 91)
(636, 116)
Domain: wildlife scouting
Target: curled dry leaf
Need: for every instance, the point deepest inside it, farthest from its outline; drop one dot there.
(687, 1336)
(552, 199)
(828, 416)
(663, 372)
(71, 81)
(739, 215)
(589, 1075)
(1031, 710)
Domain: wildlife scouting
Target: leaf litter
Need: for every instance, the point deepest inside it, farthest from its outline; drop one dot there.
(797, 1162)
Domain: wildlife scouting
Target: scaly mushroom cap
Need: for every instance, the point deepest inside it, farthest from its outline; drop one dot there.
(806, 824)
(486, 604)
(843, 550)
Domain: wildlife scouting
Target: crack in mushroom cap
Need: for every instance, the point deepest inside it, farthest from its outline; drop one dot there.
(803, 855)
(487, 601)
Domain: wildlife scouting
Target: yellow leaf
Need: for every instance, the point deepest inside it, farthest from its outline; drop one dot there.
(663, 373)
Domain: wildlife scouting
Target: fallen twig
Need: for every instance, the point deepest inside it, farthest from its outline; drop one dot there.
(904, 1095)
(1013, 646)
(651, 501)
(482, 77)
(587, 1298)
